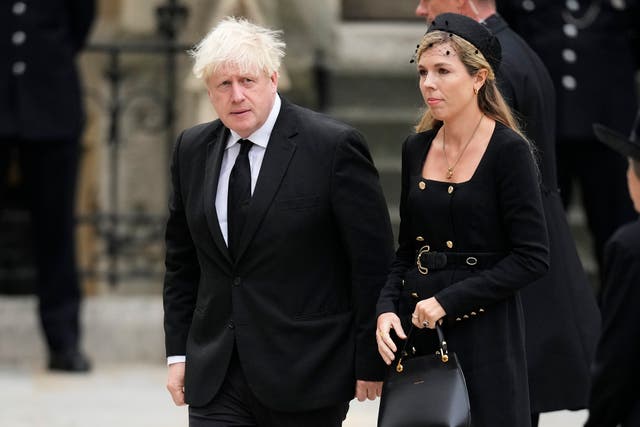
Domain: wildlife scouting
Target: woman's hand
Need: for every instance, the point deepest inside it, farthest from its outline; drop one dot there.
(427, 313)
(386, 346)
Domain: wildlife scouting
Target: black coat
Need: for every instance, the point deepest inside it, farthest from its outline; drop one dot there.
(498, 211)
(299, 300)
(615, 398)
(40, 91)
(592, 61)
(561, 315)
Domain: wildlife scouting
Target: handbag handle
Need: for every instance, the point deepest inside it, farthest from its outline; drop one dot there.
(443, 352)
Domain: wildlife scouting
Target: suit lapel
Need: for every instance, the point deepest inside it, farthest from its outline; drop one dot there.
(215, 151)
(274, 166)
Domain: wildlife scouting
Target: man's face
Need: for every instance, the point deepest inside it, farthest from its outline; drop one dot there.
(429, 9)
(243, 101)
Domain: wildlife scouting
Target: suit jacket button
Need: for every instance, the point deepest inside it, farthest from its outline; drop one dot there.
(237, 281)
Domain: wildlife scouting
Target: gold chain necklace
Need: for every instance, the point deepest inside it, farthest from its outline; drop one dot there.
(444, 136)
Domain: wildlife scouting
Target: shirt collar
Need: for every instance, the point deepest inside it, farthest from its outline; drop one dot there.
(261, 135)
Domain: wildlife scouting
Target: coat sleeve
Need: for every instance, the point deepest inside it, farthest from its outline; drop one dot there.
(404, 258)
(182, 267)
(363, 221)
(615, 369)
(523, 221)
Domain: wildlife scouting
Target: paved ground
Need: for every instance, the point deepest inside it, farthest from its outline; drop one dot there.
(130, 396)
(123, 336)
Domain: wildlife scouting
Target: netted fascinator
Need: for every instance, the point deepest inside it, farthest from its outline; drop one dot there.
(472, 31)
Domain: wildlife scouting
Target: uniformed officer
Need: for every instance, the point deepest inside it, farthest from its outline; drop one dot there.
(588, 47)
(41, 119)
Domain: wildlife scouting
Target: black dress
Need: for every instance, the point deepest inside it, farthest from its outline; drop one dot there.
(494, 221)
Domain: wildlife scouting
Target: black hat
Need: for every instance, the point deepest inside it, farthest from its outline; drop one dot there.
(473, 32)
(629, 147)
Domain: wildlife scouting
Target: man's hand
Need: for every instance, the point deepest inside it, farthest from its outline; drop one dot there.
(386, 346)
(175, 382)
(368, 390)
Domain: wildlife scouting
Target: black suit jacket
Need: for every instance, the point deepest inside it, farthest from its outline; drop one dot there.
(527, 87)
(299, 300)
(615, 399)
(43, 102)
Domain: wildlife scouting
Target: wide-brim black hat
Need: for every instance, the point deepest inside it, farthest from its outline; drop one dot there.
(472, 31)
(627, 146)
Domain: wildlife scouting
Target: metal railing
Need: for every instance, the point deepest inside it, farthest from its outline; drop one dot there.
(134, 235)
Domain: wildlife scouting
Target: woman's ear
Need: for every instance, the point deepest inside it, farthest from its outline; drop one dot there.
(481, 78)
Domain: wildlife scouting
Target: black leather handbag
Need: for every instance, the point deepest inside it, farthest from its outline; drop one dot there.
(425, 391)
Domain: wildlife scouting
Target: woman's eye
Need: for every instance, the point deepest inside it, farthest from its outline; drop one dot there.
(443, 71)
(422, 73)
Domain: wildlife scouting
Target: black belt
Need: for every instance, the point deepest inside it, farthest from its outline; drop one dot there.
(432, 260)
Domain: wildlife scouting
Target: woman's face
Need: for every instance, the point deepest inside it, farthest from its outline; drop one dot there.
(445, 84)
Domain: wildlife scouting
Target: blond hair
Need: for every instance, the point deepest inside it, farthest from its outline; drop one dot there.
(237, 43)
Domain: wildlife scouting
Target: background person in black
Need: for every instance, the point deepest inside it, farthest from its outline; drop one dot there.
(614, 397)
(591, 50)
(41, 119)
(561, 315)
(472, 230)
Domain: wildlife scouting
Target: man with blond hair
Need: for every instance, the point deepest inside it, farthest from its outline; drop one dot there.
(278, 242)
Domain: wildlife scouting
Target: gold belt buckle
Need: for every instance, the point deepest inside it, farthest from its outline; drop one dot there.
(423, 250)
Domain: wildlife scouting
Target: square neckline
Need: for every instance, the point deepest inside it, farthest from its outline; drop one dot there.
(473, 175)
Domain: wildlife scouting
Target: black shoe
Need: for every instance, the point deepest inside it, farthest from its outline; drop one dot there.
(69, 361)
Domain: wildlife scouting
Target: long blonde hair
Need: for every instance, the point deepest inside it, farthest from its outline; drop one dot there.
(490, 100)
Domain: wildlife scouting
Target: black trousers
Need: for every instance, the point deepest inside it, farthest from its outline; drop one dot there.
(235, 405)
(48, 171)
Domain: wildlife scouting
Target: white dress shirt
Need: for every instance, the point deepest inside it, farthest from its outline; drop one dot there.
(260, 139)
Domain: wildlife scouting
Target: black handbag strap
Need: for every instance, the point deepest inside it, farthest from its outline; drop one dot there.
(408, 345)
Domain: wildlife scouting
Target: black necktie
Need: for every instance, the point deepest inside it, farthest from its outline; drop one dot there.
(239, 196)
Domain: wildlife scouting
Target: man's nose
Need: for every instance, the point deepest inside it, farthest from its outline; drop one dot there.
(237, 92)
(421, 10)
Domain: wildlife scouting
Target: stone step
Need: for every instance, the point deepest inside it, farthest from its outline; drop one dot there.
(384, 129)
(116, 329)
(370, 88)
